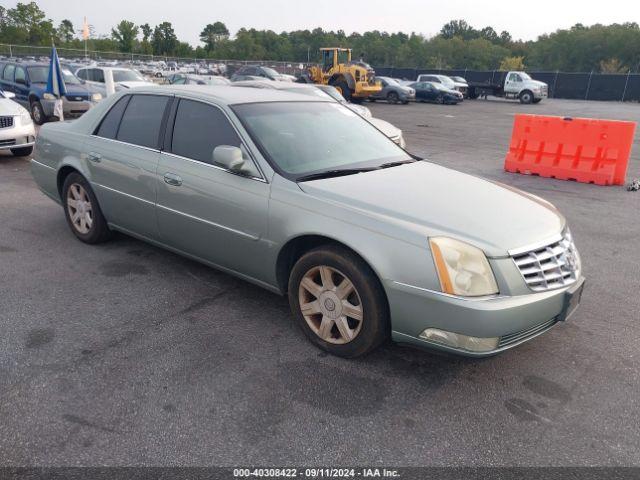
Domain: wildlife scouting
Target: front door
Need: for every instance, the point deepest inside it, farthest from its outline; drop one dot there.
(203, 209)
(513, 83)
(122, 157)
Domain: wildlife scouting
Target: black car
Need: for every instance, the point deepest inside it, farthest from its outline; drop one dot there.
(435, 93)
(249, 72)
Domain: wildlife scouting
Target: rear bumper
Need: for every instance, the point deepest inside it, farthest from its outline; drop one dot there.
(514, 319)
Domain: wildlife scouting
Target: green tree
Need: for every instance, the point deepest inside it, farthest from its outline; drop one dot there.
(512, 63)
(164, 40)
(125, 34)
(65, 31)
(212, 34)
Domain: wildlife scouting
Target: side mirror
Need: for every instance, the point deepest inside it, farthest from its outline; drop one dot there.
(9, 95)
(232, 158)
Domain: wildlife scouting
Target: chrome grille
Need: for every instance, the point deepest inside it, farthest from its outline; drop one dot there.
(552, 266)
(522, 335)
(6, 122)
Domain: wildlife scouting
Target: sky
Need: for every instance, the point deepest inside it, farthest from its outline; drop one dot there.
(524, 20)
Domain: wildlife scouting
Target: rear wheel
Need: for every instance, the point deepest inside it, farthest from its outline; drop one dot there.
(440, 99)
(82, 210)
(526, 97)
(37, 112)
(338, 302)
(22, 152)
(393, 97)
(472, 94)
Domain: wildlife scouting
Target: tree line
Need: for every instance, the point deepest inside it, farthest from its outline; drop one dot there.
(601, 48)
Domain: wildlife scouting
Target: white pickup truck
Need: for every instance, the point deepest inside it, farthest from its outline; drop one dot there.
(513, 85)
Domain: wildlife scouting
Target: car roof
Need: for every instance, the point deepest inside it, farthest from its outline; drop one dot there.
(230, 95)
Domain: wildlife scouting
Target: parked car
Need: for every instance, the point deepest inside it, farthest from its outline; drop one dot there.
(17, 132)
(322, 91)
(393, 92)
(461, 85)
(301, 196)
(245, 73)
(190, 79)
(441, 79)
(436, 93)
(122, 77)
(28, 81)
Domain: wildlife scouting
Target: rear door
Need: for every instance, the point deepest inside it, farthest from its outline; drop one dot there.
(204, 209)
(122, 157)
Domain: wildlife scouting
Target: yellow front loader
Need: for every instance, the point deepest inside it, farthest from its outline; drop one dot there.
(355, 80)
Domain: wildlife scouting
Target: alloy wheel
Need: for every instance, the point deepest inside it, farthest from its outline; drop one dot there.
(330, 304)
(79, 208)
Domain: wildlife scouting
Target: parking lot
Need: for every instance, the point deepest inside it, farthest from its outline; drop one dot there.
(125, 354)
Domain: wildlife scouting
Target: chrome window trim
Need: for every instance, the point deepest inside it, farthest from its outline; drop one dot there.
(125, 143)
(199, 162)
(240, 136)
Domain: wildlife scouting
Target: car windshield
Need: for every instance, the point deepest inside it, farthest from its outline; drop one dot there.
(270, 71)
(302, 138)
(391, 81)
(41, 73)
(127, 76)
(447, 82)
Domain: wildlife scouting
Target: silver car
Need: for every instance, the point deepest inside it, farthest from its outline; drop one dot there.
(302, 196)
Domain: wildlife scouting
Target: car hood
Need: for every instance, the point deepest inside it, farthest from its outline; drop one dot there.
(10, 108)
(430, 200)
(537, 83)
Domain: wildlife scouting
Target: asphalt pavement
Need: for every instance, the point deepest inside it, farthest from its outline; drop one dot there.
(125, 354)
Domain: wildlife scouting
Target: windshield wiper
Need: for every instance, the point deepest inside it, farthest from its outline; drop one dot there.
(334, 173)
(395, 164)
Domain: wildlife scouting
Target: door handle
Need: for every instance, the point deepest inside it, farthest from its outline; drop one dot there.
(172, 179)
(94, 157)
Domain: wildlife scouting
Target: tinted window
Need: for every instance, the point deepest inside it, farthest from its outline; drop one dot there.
(82, 74)
(141, 120)
(8, 73)
(109, 126)
(21, 75)
(97, 75)
(198, 129)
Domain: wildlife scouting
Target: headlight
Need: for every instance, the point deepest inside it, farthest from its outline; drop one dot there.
(48, 96)
(25, 118)
(96, 97)
(462, 269)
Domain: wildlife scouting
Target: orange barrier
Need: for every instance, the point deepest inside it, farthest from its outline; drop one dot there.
(581, 149)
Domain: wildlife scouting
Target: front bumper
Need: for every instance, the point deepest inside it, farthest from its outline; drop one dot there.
(514, 319)
(70, 108)
(18, 136)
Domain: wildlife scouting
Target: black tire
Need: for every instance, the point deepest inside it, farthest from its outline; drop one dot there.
(375, 324)
(472, 94)
(37, 113)
(526, 97)
(440, 99)
(537, 100)
(392, 97)
(99, 231)
(344, 89)
(22, 152)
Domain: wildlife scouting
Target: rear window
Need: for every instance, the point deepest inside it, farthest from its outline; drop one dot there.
(142, 119)
(7, 74)
(109, 126)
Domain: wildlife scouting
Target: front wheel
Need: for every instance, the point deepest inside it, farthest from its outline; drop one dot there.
(37, 113)
(344, 89)
(537, 100)
(526, 97)
(392, 97)
(82, 210)
(338, 302)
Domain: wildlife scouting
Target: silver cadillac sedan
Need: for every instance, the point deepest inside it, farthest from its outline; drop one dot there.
(303, 197)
